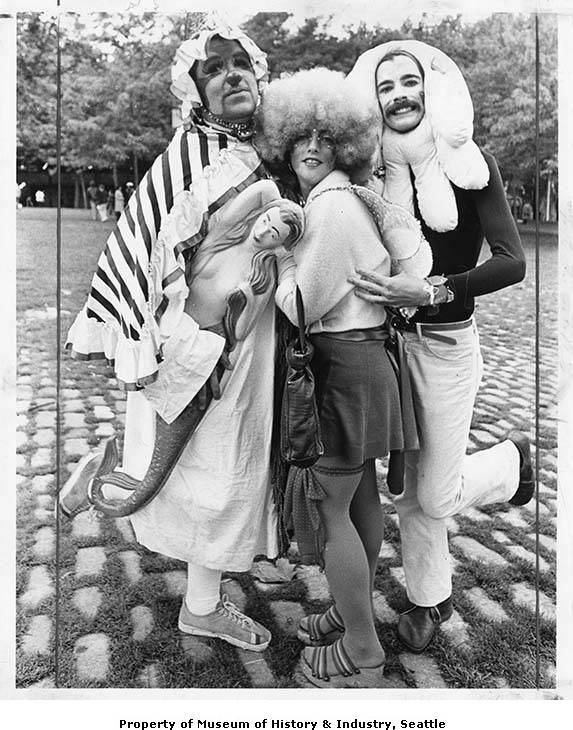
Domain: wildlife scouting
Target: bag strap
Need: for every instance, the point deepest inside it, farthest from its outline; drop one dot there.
(300, 318)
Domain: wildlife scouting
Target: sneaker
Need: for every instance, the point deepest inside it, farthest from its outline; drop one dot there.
(74, 496)
(228, 623)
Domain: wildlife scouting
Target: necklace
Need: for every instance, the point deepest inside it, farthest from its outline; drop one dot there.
(241, 130)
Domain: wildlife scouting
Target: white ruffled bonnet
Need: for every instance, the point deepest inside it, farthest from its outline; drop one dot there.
(194, 49)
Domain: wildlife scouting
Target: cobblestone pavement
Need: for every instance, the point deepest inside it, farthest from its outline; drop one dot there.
(117, 602)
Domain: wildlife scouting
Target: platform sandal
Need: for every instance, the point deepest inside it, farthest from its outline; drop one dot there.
(315, 660)
(310, 633)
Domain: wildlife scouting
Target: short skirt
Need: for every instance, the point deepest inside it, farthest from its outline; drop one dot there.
(362, 410)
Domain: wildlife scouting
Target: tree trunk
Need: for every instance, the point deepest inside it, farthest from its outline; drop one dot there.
(77, 191)
(114, 173)
(83, 187)
(135, 170)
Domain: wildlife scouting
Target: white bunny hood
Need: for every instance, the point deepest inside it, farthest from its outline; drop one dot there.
(441, 148)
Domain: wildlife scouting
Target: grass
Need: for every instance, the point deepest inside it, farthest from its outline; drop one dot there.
(501, 654)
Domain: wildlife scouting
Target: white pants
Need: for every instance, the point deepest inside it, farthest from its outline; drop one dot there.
(440, 480)
(102, 211)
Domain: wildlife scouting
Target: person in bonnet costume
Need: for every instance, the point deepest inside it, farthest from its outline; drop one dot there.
(459, 199)
(215, 509)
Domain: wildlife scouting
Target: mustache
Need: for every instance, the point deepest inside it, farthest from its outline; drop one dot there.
(402, 103)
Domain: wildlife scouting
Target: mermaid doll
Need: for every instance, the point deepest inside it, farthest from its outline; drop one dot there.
(229, 280)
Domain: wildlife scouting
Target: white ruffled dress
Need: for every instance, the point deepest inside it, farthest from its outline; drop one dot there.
(216, 510)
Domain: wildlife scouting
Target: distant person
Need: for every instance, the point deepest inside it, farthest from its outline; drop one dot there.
(129, 188)
(527, 212)
(118, 202)
(40, 197)
(101, 202)
(110, 203)
(92, 193)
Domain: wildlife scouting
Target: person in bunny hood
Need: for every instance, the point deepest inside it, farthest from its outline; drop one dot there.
(428, 127)
(215, 510)
(455, 190)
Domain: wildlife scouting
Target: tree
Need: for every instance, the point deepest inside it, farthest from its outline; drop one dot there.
(36, 88)
(268, 32)
(122, 110)
(121, 114)
(502, 83)
(116, 104)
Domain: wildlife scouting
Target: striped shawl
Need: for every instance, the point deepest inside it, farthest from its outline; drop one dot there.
(119, 321)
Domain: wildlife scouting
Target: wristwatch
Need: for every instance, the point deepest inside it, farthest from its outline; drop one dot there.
(436, 282)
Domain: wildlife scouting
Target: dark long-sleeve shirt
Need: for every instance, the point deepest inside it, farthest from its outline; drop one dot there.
(481, 214)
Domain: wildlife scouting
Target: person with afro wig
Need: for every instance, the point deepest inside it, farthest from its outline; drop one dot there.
(324, 134)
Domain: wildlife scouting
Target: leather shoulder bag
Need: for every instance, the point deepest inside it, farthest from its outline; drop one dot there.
(301, 443)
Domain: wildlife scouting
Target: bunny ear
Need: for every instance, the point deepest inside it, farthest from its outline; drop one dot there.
(450, 113)
(448, 103)
(465, 166)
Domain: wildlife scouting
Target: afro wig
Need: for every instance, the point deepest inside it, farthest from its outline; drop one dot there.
(324, 100)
